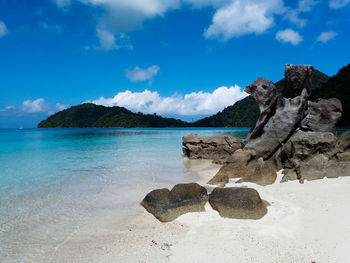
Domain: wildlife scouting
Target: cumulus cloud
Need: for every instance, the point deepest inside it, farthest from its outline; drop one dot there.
(326, 36)
(195, 103)
(243, 17)
(138, 74)
(32, 106)
(289, 36)
(232, 18)
(3, 29)
(338, 3)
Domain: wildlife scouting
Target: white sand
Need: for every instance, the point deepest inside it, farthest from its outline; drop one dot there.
(307, 222)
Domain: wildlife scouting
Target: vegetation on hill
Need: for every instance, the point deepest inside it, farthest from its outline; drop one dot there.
(337, 86)
(89, 115)
(244, 113)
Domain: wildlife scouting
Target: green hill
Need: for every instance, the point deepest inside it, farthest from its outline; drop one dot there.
(89, 115)
(338, 86)
(244, 113)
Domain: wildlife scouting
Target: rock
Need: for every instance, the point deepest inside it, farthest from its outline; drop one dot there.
(265, 94)
(210, 147)
(259, 172)
(297, 79)
(306, 144)
(289, 112)
(235, 167)
(320, 166)
(236, 202)
(322, 115)
(343, 143)
(289, 175)
(167, 205)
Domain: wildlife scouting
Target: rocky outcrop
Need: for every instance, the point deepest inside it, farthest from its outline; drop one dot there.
(288, 113)
(292, 133)
(167, 205)
(210, 147)
(236, 202)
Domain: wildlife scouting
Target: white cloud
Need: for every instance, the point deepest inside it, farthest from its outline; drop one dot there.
(31, 106)
(195, 103)
(139, 74)
(243, 17)
(61, 107)
(289, 36)
(3, 29)
(338, 3)
(232, 18)
(326, 36)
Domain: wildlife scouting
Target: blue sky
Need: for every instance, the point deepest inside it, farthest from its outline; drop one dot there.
(182, 58)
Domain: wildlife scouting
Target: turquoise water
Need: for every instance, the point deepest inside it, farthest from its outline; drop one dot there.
(52, 182)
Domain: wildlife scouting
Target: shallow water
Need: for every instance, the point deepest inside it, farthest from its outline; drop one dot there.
(55, 182)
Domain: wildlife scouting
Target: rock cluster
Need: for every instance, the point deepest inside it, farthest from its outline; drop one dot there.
(292, 133)
(235, 202)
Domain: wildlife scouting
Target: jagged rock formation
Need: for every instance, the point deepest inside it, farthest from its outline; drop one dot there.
(210, 147)
(237, 202)
(167, 205)
(292, 133)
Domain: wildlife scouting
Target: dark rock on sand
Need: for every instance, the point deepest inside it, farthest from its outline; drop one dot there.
(235, 167)
(210, 147)
(322, 115)
(240, 203)
(167, 205)
(259, 172)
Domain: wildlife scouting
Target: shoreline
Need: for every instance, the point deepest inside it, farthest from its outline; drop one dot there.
(305, 223)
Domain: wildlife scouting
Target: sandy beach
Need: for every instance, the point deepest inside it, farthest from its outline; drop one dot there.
(305, 223)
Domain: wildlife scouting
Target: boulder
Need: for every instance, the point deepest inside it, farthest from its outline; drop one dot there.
(235, 167)
(210, 147)
(259, 172)
(167, 205)
(236, 202)
(322, 115)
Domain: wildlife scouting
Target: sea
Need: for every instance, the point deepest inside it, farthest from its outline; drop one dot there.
(56, 182)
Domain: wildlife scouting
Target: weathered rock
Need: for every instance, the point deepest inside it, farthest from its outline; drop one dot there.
(322, 115)
(343, 143)
(288, 114)
(320, 166)
(306, 144)
(236, 202)
(235, 167)
(297, 79)
(167, 205)
(210, 147)
(259, 172)
(265, 94)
